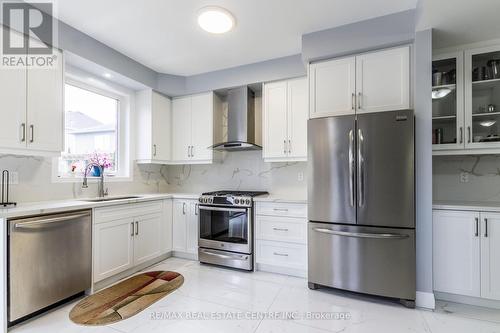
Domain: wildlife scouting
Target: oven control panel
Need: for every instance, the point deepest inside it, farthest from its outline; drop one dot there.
(226, 201)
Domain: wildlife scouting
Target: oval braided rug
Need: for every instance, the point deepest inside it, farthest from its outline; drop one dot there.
(125, 299)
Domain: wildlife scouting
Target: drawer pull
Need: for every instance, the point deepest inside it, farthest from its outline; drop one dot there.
(281, 209)
(280, 254)
(280, 229)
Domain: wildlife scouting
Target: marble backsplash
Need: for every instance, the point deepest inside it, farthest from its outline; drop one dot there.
(235, 170)
(483, 173)
(35, 181)
(244, 170)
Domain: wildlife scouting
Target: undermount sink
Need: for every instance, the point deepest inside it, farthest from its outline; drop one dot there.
(111, 198)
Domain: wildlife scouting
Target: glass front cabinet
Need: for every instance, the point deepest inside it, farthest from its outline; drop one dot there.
(447, 102)
(466, 102)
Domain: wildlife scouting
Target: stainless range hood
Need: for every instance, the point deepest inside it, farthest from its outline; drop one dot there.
(240, 121)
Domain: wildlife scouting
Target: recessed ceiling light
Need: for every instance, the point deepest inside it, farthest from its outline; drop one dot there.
(215, 20)
(107, 75)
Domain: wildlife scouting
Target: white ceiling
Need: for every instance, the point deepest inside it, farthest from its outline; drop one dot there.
(164, 35)
(457, 22)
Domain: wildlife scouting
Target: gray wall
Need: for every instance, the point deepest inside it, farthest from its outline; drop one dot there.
(423, 155)
(275, 69)
(380, 32)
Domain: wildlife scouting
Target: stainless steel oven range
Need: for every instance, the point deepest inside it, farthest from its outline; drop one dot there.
(226, 228)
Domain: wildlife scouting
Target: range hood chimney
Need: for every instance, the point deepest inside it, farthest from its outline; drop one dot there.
(240, 121)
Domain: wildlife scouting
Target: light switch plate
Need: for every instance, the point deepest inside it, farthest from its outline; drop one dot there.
(300, 176)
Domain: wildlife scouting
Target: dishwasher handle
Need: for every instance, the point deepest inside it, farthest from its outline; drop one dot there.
(50, 220)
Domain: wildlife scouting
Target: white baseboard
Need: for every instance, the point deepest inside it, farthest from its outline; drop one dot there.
(281, 270)
(477, 301)
(185, 255)
(425, 300)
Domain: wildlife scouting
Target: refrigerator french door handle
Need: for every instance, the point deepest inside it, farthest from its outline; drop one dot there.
(361, 234)
(351, 167)
(361, 162)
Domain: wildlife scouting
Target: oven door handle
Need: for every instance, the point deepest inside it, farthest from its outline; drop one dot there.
(220, 209)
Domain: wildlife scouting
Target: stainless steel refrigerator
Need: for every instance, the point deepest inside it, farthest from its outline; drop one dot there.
(361, 198)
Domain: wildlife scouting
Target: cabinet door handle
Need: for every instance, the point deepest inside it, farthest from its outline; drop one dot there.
(360, 97)
(132, 227)
(461, 135)
(477, 227)
(189, 153)
(289, 146)
(192, 151)
(353, 101)
(196, 209)
(32, 133)
(183, 208)
(468, 134)
(136, 228)
(23, 132)
(154, 150)
(284, 147)
(486, 228)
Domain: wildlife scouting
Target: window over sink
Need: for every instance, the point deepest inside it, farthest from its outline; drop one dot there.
(96, 128)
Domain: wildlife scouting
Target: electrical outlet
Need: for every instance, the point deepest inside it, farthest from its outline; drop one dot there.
(13, 178)
(300, 176)
(464, 177)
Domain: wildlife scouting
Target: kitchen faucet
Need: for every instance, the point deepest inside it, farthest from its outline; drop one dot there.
(101, 191)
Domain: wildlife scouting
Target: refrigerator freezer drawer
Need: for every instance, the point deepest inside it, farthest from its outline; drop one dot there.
(371, 260)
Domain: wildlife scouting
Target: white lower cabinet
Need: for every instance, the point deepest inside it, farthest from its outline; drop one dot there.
(281, 238)
(114, 248)
(185, 228)
(490, 255)
(126, 236)
(147, 238)
(456, 248)
(466, 253)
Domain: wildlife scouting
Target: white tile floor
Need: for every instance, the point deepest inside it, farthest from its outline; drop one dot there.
(209, 289)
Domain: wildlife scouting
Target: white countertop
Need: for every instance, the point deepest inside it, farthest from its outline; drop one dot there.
(48, 207)
(489, 206)
(283, 198)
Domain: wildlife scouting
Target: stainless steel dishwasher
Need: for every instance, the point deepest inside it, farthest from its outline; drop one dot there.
(49, 260)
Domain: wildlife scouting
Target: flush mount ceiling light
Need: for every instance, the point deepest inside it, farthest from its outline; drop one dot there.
(215, 20)
(440, 93)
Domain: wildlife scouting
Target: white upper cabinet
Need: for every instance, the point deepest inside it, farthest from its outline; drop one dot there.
(32, 109)
(45, 111)
(13, 110)
(275, 120)
(456, 252)
(202, 127)
(370, 82)
(332, 87)
(195, 128)
(383, 80)
(181, 129)
(154, 119)
(285, 120)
